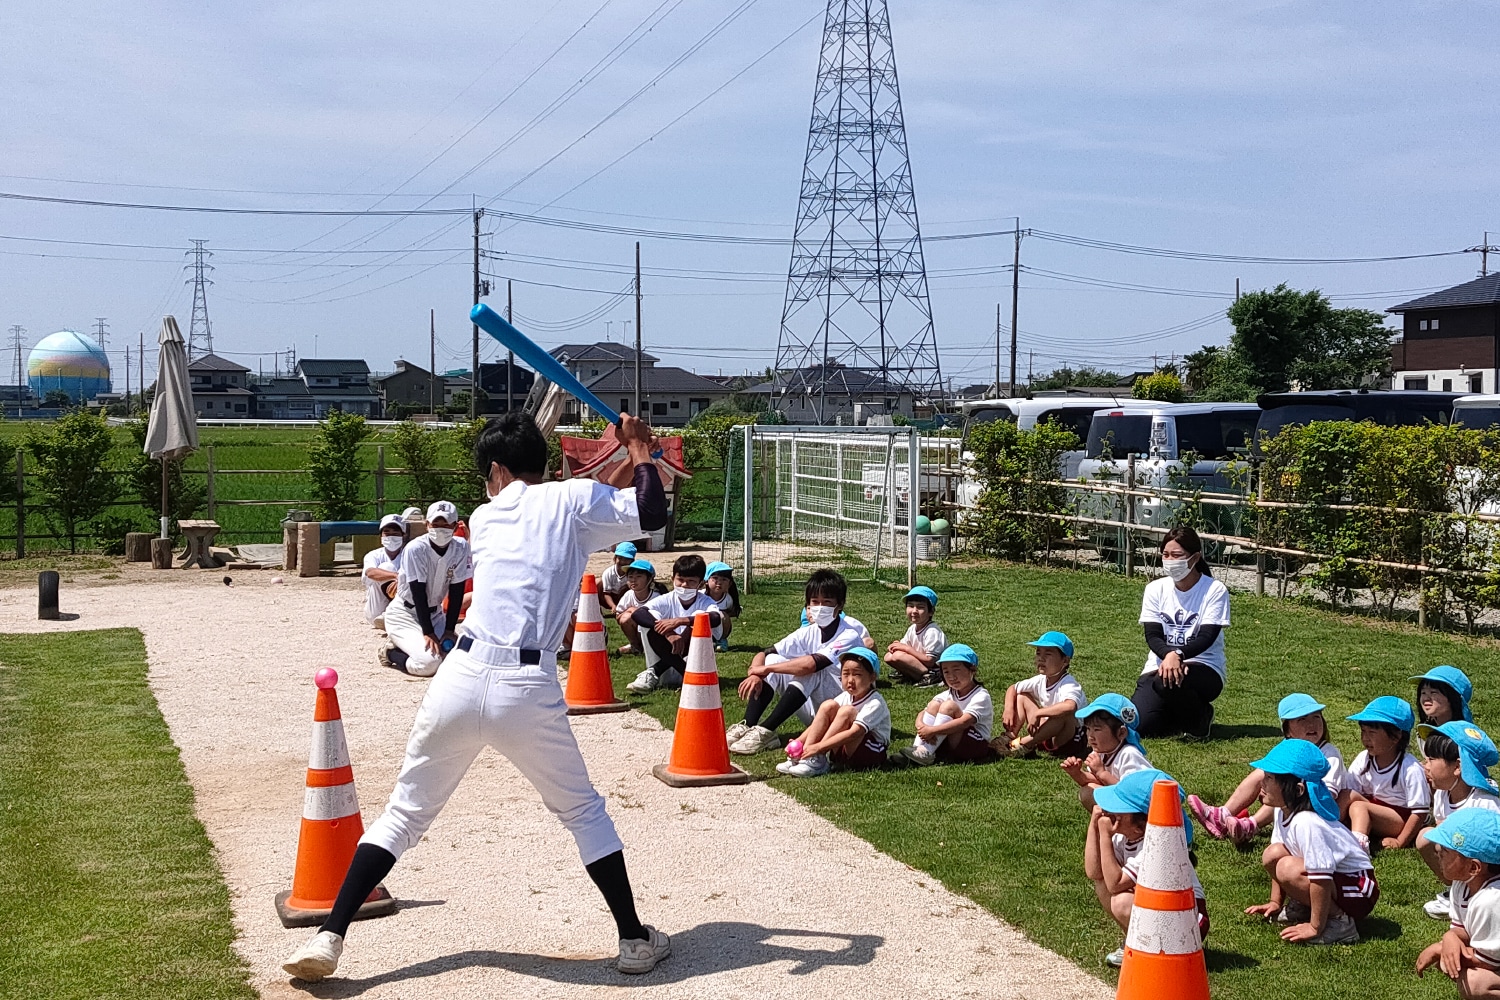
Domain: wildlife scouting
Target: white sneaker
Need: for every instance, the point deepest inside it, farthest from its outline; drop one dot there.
(756, 740)
(316, 959)
(810, 767)
(1115, 958)
(734, 732)
(1438, 907)
(919, 753)
(1340, 929)
(785, 767)
(638, 957)
(644, 681)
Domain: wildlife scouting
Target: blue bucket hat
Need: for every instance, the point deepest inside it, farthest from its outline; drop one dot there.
(716, 567)
(1306, 762)
(642, 565)
(926, 593)
(1390, 710)
(1455, 679)
(867, 656)
(625, 550)
(959, 653)
(1476, 752)
(1474, 833)
(1297, 706)
(1132, 794)
(1057, 641)
(1121, 708)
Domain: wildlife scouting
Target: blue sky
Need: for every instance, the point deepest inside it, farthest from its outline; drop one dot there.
(1264, 129)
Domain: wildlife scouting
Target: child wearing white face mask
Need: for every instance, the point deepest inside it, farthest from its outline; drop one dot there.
(666, 624)
(432, 567)
(380, 568)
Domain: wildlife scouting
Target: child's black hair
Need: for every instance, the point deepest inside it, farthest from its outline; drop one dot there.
(918, 597)
(1293, 793)
(513, 441)
(827, 583)
(689, 567)
(1440, 746)
(1113, 721)
(1403, 746)
(1455, 703)
(1286, 723)
(734, 592)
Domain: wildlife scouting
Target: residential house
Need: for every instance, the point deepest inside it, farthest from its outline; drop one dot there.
(1450, 340)
(317, 387)
(408, 386)
(587, 362)
(832, 393)
(221, 388)
(670, 397)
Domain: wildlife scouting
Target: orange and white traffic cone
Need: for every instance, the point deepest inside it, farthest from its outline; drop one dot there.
(1163, 948)
(591, 689)
(700, 753)
(331, 824)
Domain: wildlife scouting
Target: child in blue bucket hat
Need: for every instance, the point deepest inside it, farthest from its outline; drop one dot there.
(612, 582)
(718, 583)
(914, 656)
(1109, 724)
(1386, 799)
(1469, 953)
(1301, 718)
(1443, 695)
(1111, 852)
(1041, 712)
(954, 727)
(1457, 757)
(1322, 880)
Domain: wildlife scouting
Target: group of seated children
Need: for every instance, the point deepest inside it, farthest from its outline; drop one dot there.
(660, 624)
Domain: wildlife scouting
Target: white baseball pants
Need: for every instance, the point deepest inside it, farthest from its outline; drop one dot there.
(519, 711)
(403, 629)
(820, 686)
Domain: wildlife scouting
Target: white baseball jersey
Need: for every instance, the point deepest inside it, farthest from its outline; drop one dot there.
(1325, 848)
(375, 599)
(979, 704)
(422, 563)
(1403, 784)
(1128, 857)
(930, 639)
(531, 544)
(669, 606)
(1443, 806)
(1479, 915)
(1066, 688)
(873, 714)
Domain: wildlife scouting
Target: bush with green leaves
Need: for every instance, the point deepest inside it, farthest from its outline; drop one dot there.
(71, 470)
(333, 465)
(417, 448)
(467, 486)
(1016, 469)
(185, 496)
(1163, 386)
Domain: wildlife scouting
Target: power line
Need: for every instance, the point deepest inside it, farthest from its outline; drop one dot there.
(1082, 241)
(226, 210)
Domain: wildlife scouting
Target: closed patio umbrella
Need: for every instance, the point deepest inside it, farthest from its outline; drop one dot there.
(173, 429)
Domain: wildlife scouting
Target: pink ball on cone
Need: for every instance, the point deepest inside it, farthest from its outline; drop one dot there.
(326, 678)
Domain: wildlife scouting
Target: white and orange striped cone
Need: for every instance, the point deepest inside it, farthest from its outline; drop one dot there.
(700, 753)
(591, 689)
(331, 824)
(1163, 948)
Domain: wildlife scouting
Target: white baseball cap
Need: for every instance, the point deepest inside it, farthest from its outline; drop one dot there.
(390, 519)
(411, 512)
(443, 509)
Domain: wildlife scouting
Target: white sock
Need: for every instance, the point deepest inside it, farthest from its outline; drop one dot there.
(932, 720)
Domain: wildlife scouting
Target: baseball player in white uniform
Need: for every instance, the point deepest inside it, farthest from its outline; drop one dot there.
(499, 687)
(432, 567)
(381, 567)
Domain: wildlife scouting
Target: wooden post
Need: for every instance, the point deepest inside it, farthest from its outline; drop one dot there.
(309, 549)
(1260, 554)
(1129, 516)
(138, 546)
(380, 481)
(20, 503)
(209, 454)
(161, 553)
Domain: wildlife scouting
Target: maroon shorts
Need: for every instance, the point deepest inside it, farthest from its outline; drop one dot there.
(1078, 746)
(1202, 918)
(864, 756)
(1356, 894)
(966, 748)
(1403, 811)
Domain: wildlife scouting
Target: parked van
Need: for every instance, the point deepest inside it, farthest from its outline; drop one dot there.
(1481, 412)
(1386, 407)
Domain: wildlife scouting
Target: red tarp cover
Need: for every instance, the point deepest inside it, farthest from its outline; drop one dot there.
(600, 459)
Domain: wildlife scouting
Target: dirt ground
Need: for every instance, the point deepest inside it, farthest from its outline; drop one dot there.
(495, 902)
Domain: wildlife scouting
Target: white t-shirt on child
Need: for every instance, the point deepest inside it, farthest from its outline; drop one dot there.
(874, 715)
(1325, 848)
(1127, 758)
(1478, 914)
(808, 640)
(1443, 807)
(930, 638)
(979, 704)
(1128, 857)
(629, 602)
(1403, 784)
(1067, 688)
(1181, 612)
(1337, 778)
(612, 581)
(669, 606)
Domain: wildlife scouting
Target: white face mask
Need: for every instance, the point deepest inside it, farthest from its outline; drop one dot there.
(1177, 569)
(821, 615)
(392, 543)
(440, 536)
(685, 594)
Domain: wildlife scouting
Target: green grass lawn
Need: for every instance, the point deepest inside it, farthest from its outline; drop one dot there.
(108, 884)
(1010, 835)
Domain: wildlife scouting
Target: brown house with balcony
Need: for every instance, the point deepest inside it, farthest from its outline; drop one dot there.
(1450, 340)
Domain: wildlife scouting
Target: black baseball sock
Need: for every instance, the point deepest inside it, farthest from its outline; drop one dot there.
(791, 700)
(397, 656)
(758, 703)
(609, 875)
(370, 865)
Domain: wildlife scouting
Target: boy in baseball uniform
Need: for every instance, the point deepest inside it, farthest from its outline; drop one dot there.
(666, 622)
(380, 569)
(432, 567)
(499, 687)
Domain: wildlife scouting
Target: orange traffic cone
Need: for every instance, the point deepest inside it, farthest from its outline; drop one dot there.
(590, 688)
(331, 824)
(700, 753)
(1163, 949)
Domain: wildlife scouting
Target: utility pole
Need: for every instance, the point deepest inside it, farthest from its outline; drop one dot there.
(127, 380)
(101, 329)
(1015, 303)
(15, 341)
(997, 348)
(510, 356)
(474, 359)
(1236, 289)
(432, 362)
(637, 402)
(141, 354)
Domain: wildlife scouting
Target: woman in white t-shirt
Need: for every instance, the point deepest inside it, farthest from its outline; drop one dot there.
(1184, 615)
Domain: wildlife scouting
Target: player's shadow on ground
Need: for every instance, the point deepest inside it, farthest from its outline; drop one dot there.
(698, 951)
(1240, 732)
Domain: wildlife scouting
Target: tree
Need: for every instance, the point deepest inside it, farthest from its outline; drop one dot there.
(1163, 386)
(333, 464)
(185, 497)
(1220, 375)
(57, 399)
(72, 474)
(1346, 348)
(1065, 376)
(417, 449)
(1273, 328)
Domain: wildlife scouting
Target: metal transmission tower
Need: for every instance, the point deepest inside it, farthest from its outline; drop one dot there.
(200, 334)
(856, 293)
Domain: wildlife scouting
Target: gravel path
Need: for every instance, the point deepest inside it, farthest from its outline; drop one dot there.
(495, 903)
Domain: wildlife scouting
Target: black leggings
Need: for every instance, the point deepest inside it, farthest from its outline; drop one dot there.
(1166, 711)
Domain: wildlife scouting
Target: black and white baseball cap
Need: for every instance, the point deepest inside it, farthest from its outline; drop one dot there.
(443, 509)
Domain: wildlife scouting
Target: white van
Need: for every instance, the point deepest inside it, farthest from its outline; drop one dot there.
(1157, 435)
(1070, 412)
